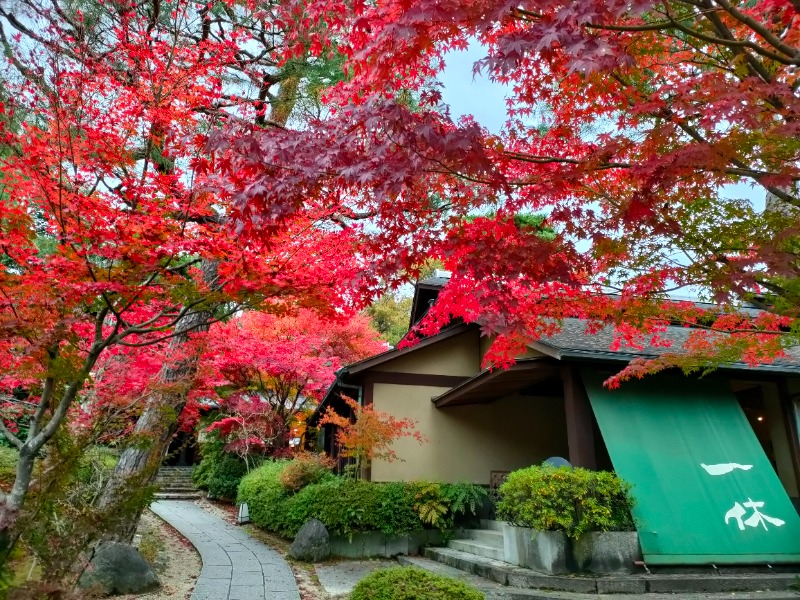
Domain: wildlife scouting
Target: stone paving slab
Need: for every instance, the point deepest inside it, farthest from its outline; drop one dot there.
(340, 578)
(236, 566)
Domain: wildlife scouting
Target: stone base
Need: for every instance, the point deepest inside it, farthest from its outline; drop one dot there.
(548, 552)
(607, 551)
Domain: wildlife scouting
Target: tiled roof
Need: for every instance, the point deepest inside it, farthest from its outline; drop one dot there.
(573, 341)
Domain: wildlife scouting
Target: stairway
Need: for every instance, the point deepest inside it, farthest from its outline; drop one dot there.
(175, 483)
(477, 557)
(486, 542)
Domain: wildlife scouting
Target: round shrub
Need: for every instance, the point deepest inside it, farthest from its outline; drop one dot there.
(572, 500)
(262, 490)
(404, 583)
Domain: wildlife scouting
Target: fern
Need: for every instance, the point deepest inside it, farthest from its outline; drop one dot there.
(465, 498)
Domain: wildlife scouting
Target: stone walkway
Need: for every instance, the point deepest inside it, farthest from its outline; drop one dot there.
(235, 565)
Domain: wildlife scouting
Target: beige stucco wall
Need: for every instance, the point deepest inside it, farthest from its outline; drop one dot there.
(465, 443)
(459, 355)
(486, 342)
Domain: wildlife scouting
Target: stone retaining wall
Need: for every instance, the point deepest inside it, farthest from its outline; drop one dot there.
(364, 545)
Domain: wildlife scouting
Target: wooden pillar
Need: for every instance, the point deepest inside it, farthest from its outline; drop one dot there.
(369, 394)
(788, 403)
(580, 430)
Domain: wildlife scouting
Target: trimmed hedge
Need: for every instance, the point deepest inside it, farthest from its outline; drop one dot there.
(262, 490)
(408, 583)
(572, 500)
(347, 506)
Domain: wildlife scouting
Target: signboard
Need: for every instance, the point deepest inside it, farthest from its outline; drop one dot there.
(705, 491)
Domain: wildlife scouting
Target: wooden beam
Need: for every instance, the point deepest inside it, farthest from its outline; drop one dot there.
(580, 432)
(420, 379)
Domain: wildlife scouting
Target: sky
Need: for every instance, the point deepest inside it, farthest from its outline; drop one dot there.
(476, 95)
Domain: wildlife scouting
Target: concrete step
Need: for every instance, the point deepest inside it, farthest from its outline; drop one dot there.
(504, 573)
(492, 525)
(184, 482)
(679, 583)
(178, 496)
(477, 548)
(495, 591)
(487, 537)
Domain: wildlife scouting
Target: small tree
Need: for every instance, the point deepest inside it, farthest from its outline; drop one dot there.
(369, 434)
(250, 429)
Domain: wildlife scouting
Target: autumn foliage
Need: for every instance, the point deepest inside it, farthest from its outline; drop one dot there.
(624, 119)
(267, 372)
(367, 434)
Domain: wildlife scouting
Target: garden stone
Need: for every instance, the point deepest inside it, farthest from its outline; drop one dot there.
(118, 568)
(312, 542)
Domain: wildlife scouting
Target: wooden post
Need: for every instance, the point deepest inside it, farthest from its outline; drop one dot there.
(580, 430)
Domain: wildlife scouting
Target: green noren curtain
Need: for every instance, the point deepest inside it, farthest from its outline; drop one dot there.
(705, 491)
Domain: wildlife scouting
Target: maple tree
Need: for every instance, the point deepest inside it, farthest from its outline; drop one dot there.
(625, 118)
(275, 368)
(366, 433)
(250, 427)
(114, 228)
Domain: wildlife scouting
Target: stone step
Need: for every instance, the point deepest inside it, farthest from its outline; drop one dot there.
(177, 490)
(174, 481)
(492, 525)
(477, 548)
(678, 583)
(178, 496)
(504, 573)
(487, 537)
(495, 591)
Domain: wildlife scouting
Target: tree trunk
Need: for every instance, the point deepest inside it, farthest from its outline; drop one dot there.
(139, 463)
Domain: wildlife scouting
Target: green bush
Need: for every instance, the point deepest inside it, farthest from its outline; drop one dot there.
(572, 500)
(305, 468)
(219, 471)
(404, 583)
(225, 475)
(347, 506)
(262, 490)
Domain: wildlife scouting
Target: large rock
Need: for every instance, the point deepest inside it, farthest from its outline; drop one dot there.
(312, 542)
(118, 569)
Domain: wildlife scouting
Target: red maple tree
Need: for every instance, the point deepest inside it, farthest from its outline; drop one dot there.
(625, 118)
(115, 231)
(282, 364)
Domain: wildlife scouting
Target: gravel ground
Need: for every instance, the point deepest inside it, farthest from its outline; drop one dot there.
(174, 559)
